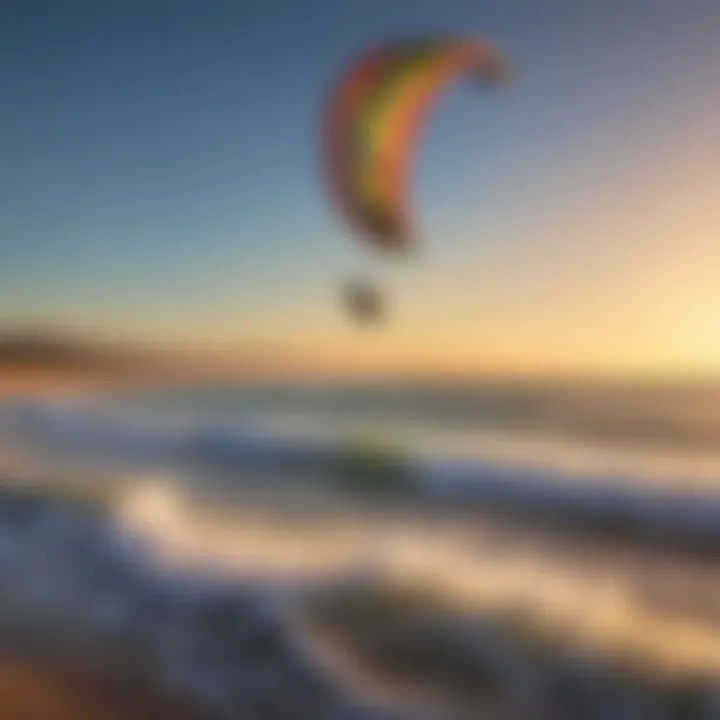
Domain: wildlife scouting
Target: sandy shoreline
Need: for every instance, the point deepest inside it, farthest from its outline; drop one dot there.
(40, 680)
(36, 691)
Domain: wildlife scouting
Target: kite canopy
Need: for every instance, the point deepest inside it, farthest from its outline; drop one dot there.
(371, 123)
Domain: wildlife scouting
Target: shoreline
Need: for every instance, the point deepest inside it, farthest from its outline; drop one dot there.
(49, 678)
(34, 690)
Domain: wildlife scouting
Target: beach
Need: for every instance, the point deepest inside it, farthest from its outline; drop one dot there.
(38, 689)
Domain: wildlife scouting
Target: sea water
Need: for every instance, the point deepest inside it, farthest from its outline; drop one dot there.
(586, 513)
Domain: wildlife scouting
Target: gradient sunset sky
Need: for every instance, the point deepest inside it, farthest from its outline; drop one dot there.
(159, 182)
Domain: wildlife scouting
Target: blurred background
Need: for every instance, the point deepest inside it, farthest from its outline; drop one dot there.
(501, 500)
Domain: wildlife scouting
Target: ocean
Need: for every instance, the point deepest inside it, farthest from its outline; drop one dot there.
(421, 550)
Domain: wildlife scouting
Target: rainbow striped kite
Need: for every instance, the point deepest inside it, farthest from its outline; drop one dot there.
(370, 126)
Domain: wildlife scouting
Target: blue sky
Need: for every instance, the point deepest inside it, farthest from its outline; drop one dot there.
(159, 173)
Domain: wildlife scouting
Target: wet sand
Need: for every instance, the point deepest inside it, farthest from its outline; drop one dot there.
(44, 678)
(36, 691)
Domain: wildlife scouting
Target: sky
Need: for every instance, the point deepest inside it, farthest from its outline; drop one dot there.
(160, 182)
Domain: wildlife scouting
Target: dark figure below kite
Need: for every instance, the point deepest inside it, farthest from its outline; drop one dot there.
(364, 302)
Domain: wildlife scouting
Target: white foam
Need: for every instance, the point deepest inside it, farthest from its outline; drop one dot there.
(70, 440)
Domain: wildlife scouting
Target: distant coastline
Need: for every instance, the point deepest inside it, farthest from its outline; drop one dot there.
(42, 363)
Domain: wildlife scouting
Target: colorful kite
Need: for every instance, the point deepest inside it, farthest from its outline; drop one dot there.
(371, 122)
